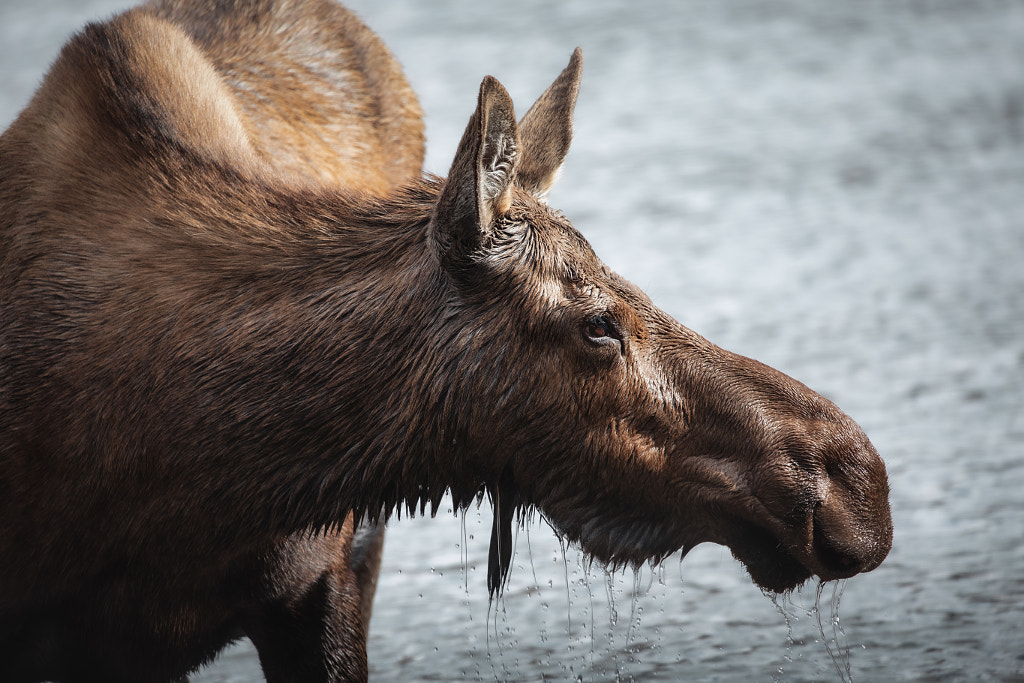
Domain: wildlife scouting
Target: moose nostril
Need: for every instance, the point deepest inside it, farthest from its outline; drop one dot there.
(840, 546)
(831, 553)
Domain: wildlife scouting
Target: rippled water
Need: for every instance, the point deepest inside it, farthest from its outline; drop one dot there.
(836, 189)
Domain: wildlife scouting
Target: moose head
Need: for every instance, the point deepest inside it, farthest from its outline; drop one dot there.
(631, 434)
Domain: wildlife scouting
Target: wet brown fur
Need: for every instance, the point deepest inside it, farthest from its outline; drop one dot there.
(225, 329)
(170, 86)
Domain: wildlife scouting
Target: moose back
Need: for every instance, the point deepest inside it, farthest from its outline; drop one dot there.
(235, 320)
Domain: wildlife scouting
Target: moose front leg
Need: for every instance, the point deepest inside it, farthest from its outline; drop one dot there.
(318, 637)
(320, 591)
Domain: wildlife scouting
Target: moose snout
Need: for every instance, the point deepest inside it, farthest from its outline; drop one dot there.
(806, 492)
(851, 526)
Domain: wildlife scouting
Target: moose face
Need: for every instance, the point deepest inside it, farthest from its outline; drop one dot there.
(632, 434)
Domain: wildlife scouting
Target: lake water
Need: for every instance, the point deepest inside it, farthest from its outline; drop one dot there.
(836, 189)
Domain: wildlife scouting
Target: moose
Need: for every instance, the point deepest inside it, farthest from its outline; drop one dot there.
(240, 327)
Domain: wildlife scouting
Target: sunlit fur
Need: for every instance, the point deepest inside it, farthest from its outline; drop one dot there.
(215, 354)
(250, 89)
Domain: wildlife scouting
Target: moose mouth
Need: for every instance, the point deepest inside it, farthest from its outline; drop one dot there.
(769, 563)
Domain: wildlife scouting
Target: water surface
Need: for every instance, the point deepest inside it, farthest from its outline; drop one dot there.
(836, 189)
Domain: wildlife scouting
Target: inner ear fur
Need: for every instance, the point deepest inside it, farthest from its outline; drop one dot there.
(546, 130)
(479, 186)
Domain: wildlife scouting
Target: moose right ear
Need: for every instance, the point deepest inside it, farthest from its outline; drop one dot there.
(546, 130)
(479, 186)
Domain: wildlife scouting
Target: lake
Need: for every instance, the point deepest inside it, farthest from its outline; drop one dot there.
(835, 189)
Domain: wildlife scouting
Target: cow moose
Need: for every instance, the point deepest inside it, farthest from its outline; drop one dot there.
(239, 328)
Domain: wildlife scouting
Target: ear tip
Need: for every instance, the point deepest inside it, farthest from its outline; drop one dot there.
(575, 62)
(574, 70)
(491, 89)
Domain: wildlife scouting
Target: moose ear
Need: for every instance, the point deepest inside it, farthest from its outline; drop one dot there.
(546, 130)
(479, 186)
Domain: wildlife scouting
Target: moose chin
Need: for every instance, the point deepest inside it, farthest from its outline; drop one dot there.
(239, 327)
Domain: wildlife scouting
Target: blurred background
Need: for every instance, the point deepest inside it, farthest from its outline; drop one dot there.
(835, 189)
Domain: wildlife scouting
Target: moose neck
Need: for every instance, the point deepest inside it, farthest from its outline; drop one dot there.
(324, 317)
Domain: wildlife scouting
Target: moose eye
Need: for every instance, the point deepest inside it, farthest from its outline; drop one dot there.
(601, 330)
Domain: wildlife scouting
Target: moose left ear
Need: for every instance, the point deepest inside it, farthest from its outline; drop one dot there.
(546, 130)
(479, 186)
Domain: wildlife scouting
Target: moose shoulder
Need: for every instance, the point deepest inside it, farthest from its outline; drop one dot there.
(235, 319)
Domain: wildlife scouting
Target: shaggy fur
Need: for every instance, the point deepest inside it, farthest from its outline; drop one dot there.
(295, 92)
(226, 332)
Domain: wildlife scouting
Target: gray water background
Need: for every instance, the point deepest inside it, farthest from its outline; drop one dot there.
(836, 189)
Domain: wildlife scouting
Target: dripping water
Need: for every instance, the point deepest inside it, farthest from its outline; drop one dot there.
(636, 611)
(464, 550)
(784, 606)
(529, 552)
(568, 596)
(590, 597)
(835, 642)
(837, 646)
(613, 620)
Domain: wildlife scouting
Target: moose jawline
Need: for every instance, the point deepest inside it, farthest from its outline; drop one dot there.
(771, 566)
